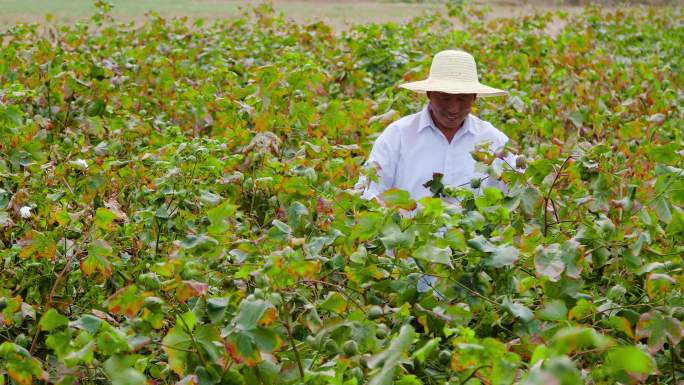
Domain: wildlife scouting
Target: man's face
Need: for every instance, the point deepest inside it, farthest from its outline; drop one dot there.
(450, 110)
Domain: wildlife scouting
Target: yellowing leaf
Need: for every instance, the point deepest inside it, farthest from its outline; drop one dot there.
(37, 244)
(98, 252)
(189, 289)
(126, 300)
(397, 198)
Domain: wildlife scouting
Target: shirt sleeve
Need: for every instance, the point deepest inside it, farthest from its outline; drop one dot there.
(384, 158)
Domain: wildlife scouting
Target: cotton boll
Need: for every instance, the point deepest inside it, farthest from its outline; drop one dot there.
(79, 164)
(25, 212)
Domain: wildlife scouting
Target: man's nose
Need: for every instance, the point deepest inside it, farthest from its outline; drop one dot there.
(456, 106)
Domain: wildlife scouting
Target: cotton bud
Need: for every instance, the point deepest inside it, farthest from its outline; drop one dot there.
(475, 183)
(25, 212)
(521, 162)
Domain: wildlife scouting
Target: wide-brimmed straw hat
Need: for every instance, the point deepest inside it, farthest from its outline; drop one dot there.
(453, 72)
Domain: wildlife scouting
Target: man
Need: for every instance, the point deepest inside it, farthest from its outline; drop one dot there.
(438, 139)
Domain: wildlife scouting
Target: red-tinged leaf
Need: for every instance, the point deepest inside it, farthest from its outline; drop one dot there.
(659, 328)
(11, 306)
(400, 199)
(622, 324)
(242, 349)
(658, 285)
(189, 289)
(254, 313)
(37, 244)
(126, 301)
(97, 261)
(20, 365)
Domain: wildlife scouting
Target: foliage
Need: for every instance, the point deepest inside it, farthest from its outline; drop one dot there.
(176, 205)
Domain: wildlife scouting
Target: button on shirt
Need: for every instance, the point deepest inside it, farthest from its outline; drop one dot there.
(411, 149)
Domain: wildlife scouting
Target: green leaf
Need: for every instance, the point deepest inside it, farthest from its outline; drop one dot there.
(242, 347)
(400, 199)
(502, 256)
(104, 218)
(280, 231)
(630, 359)
(98, 252)
(499, 255)
(207, 336)
(87, 322)
(392, 236)
(572, 339)
(553, 311)
(434, 254)
(369, 224)
(176, 344)
(186, 321)
(455, 239)
(518, 310)
(390, 357)
(409, 380)
(659, 328)
(218, 217)
(121, 371)
(576, 118)
(266, 339)
(335, 303)
(251, 312)
(359, 256)
(481, 244)
(20, 365)
(548, 262)
(531, 200)
(52, 320)
(216, 308)
(198, 241)
(426, 350)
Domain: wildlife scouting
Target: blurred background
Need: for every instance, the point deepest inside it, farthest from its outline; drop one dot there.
(337, 13)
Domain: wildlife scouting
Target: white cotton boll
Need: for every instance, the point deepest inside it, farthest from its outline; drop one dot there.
(25, 212)
(79, 164)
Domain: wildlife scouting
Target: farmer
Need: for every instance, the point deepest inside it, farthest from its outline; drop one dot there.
(438, 139)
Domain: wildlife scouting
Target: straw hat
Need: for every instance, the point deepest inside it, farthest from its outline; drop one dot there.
(453, 72)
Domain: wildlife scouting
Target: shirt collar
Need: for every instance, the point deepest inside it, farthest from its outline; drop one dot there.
(425, 121)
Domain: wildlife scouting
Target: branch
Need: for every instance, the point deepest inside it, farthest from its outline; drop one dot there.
(473, 373)
(286, 310)
(548, 194)
(339, 288)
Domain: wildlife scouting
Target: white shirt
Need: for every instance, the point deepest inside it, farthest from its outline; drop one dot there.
(412, 148)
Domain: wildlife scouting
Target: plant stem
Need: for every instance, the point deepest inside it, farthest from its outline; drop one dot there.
(548, 194)
(339, 288)
(473, 373)
(286, 317)
(194, 342)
